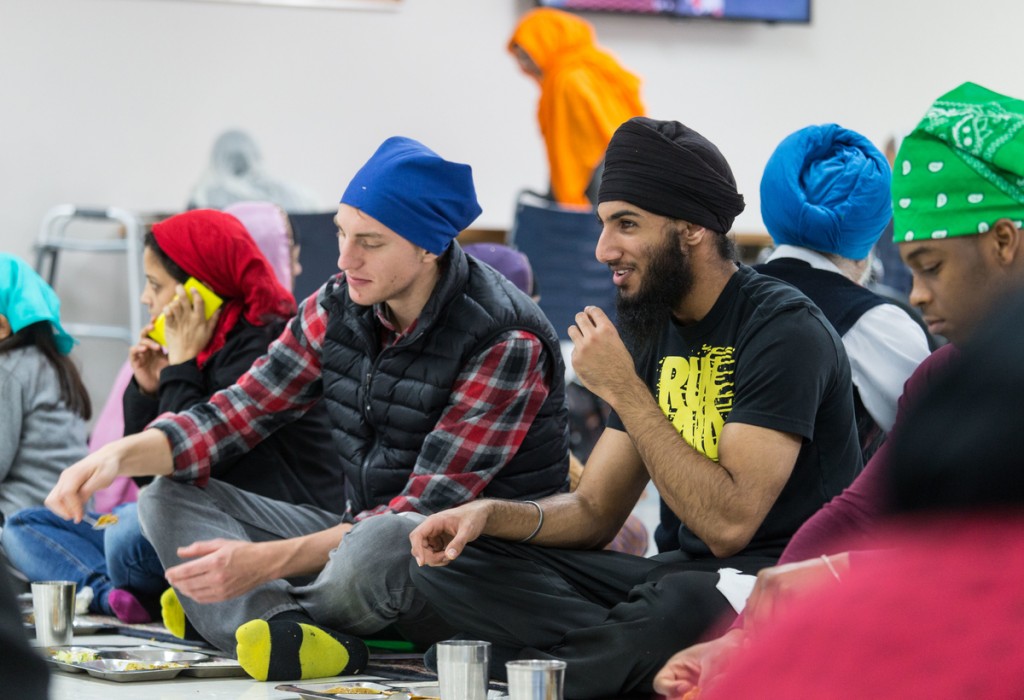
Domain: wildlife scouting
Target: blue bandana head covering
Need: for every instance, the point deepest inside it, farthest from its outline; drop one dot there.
(414, 192)
(827, 188)
(26, 299)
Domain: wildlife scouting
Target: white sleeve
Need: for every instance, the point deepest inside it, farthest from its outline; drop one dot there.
(885, 346)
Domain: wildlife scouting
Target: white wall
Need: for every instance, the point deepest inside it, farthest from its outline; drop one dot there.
(116, 102)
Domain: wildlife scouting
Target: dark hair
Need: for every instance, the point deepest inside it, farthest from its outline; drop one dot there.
(72, 390)
(173, 268)
(724, 243)
(291, 227)
(726, 246)
(961, 446)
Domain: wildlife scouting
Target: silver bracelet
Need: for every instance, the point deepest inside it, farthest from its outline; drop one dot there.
(828, 563)
(540, 521)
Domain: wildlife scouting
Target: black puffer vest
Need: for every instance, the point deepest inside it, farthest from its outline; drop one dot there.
(843, 302)
(389, 399)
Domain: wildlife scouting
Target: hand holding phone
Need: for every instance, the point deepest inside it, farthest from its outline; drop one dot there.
(211, 303)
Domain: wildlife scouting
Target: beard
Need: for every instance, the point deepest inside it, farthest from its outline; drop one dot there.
(667, 278)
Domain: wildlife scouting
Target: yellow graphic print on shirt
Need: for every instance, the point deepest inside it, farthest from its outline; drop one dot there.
(696, 394)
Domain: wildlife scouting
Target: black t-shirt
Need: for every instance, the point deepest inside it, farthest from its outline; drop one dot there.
(764, 355)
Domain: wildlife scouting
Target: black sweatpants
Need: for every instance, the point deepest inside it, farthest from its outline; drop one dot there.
(614, 618)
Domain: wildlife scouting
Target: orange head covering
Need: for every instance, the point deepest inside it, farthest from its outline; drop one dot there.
(584, 96)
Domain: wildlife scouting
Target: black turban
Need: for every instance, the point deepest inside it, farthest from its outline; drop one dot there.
(670, 170)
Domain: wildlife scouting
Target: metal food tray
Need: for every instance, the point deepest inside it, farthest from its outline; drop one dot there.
(114, 670)
(215, 667)
(82, 626)
(111, 663)
(383, 689)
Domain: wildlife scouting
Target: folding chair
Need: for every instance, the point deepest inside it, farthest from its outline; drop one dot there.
(318, 254)
(560, 243)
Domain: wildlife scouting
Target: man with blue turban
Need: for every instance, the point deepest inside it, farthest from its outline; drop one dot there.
(443, 382)
(825, 200)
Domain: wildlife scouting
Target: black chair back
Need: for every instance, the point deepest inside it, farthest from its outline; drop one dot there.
(318, 255)
(560, 244)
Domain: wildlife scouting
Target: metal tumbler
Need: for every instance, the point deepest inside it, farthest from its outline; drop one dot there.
(53, 605)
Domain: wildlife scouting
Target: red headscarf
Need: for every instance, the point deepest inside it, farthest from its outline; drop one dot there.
(215, 248)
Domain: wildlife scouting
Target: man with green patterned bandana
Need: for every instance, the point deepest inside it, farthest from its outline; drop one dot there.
(958, 202)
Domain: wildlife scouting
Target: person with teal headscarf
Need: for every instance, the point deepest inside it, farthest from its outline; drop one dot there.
(43, 402)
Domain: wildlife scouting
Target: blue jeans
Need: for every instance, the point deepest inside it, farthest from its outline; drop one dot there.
(44, 547)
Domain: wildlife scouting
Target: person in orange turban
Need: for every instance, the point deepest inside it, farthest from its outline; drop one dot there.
(585, 94)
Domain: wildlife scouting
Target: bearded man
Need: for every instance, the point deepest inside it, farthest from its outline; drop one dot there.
(755, 386)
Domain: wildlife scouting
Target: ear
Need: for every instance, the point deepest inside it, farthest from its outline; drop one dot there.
(427, 256)
(1007, 240)
(5, 328)
(693, 234)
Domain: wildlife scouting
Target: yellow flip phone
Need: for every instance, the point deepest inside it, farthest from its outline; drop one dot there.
(211, 301)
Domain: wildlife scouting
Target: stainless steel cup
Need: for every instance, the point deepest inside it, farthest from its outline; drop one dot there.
(53, 606)
(462, 669)
(535, 679)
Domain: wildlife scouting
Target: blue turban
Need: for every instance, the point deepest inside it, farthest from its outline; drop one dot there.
(414, 192)
(827, 188)
(26, 299)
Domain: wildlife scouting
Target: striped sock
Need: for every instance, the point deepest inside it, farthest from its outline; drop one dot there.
(172, 613)
(175, 619)
(284, 649)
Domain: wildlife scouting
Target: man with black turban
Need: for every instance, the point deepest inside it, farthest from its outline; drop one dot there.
(755, 386)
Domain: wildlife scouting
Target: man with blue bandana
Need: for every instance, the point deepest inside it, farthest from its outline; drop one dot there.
(443, 382)
(825, 201)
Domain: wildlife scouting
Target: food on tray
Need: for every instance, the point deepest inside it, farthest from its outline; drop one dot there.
(158, 665)
(106, 519)
(352, 690)
(74, 656)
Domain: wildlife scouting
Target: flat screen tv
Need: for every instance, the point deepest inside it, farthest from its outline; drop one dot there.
(798, 11)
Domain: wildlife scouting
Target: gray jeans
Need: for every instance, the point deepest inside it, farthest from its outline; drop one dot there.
(364, 587)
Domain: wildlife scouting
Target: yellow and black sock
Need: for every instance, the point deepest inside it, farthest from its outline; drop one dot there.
(172, 613)
(285, 649)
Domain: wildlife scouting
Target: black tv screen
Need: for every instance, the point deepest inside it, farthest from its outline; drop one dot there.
(749, 10)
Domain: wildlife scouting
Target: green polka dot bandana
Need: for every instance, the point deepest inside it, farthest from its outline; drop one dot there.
(962, 168)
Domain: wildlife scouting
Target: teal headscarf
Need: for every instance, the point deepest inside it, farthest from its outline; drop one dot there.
(26, 299)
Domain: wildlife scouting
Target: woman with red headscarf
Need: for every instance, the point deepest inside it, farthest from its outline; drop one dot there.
(200, 356)
(585, 94)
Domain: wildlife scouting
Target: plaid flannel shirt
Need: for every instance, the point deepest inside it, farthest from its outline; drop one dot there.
(489, 412)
